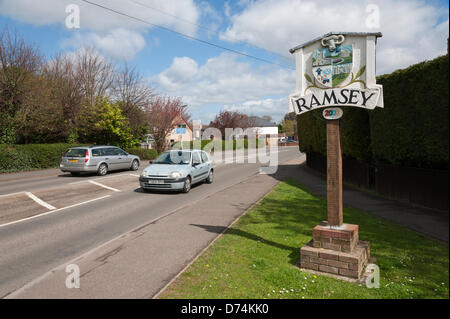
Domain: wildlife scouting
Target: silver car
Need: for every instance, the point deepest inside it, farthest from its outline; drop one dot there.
(97, 159)
(178, 170)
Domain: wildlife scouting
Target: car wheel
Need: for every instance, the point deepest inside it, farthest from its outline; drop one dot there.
(187, 185)
(210, 178)
(102, 170)
(135, 165)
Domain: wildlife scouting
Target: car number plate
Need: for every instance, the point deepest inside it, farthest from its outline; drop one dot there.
(73, 161)
(155, 181)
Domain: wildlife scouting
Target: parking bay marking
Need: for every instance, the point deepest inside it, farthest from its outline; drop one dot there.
(104, 186)
(40, 201)
(54, 211)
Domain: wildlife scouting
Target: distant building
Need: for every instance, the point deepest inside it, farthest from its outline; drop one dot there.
(263, 127)
(181, 131)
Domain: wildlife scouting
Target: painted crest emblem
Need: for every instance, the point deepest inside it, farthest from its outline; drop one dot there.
(331, 68)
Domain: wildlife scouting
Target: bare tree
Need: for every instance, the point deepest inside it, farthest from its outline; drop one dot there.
(19, 62)
(161, 115)
(133, 95)
(230, 119)
(66, 86)
(131, 89)
(95, 74)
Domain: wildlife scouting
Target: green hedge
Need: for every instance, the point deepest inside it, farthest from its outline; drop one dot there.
(31, 156)
(15, 158)
(411, 130)
(144, 154)
(312, 135)
(355, 133)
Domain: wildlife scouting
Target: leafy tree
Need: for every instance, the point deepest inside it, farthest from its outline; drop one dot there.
(288, 123)
(114, 126)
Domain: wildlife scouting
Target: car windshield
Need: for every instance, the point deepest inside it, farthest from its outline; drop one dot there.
(174, 157)
(75, 152)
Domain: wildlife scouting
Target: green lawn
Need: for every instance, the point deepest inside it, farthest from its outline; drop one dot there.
(257, 257)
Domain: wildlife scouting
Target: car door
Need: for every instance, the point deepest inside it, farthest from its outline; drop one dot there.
(204, 167)
(119, 158)
(124, 159)
(206, 162)
(111, 158)
(196, 167)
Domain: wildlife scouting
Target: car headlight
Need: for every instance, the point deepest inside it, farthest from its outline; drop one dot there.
(144, 173)
(175, 175)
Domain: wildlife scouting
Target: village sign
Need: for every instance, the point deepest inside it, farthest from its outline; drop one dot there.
(337, 69)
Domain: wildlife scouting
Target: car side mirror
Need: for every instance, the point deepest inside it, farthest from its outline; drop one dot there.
(150, 162)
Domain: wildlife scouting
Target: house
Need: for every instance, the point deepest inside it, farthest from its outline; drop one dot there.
(263, 127)
(182, 131)
(149, 142)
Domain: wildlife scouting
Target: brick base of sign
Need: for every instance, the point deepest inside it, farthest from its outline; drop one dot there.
(336, 251)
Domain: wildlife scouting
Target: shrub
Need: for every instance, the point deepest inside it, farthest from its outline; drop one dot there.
(143, 153)
(412, 129)
(31, 156)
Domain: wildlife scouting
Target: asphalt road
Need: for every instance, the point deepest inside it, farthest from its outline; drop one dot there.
(77, 215)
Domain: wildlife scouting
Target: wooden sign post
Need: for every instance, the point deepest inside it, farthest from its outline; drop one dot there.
(334, 174)
(335, 70)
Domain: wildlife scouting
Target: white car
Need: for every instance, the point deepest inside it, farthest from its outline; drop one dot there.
(177, 170)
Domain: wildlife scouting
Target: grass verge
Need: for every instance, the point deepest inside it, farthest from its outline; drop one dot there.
(257, 257)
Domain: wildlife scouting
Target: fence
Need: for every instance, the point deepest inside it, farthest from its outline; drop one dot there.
(425, 187)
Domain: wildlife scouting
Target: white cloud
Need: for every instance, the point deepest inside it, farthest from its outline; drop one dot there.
(101, 27)
(410, 28)
(131, 42)
(223, 80)
(276, 108)
(162, 12)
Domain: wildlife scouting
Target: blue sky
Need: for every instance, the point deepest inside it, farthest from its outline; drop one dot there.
(210, 79)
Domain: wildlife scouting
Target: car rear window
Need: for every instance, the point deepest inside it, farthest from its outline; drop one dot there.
(97, 152)
(75, 152)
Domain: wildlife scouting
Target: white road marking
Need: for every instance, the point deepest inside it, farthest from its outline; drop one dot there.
(104, 186)
(135, 175)
(98, 178)
(40, 201)
(53, 211)
(10, 194)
